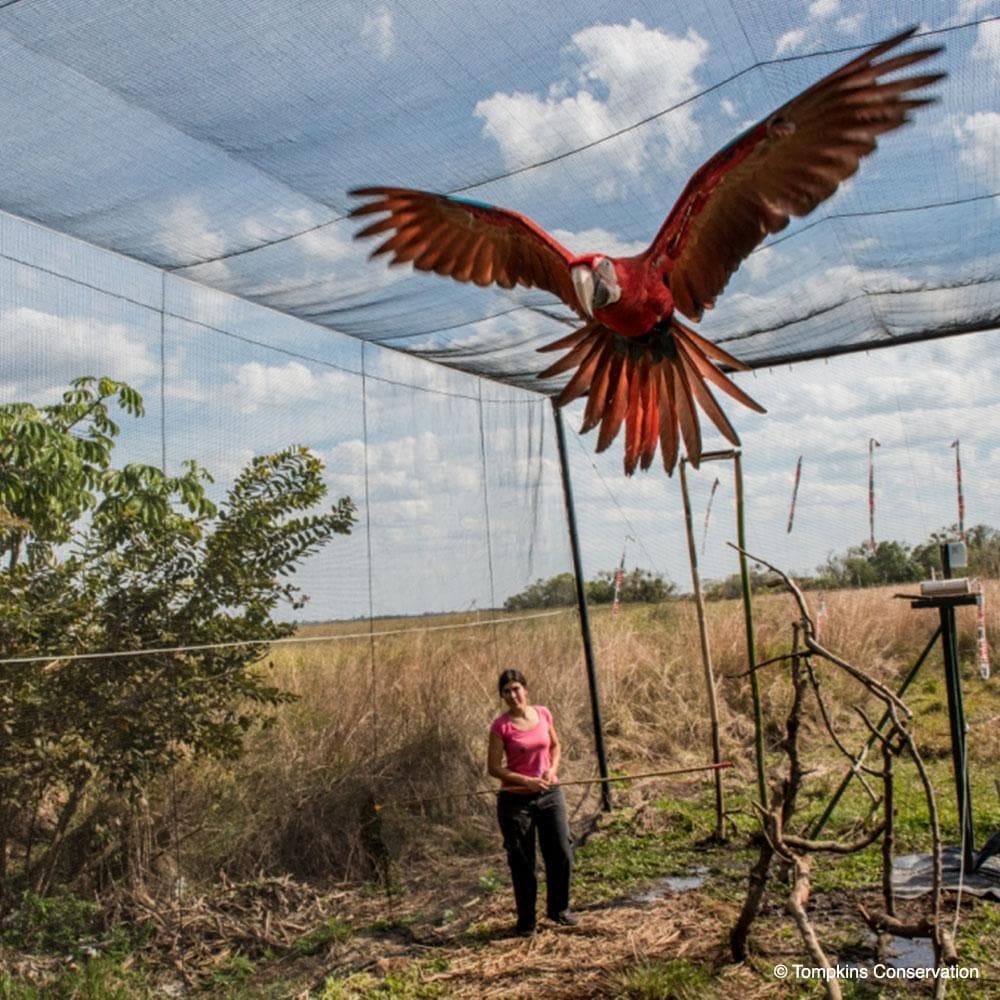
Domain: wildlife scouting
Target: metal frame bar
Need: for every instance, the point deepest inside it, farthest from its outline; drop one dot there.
(581, 603)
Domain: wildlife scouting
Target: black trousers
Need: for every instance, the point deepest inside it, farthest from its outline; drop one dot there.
(521, 818)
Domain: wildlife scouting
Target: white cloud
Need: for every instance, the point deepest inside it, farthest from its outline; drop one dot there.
(71, 346)
(824, 8)
(970, 8)
(788, 41)
(613, 88)
(987, 46)
(850, 25)
(728, 108)
(865, 243)
(380, 31)
(187, 232)
(256, 386)
(978, 137)
(761, 262)
(598, 240)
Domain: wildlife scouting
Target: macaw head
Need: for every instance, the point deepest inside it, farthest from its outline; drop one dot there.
(596, 282)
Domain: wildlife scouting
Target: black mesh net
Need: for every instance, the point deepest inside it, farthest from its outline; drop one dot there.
(217, 141)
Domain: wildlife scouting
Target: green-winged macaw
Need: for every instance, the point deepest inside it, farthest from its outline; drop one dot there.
(636, 361)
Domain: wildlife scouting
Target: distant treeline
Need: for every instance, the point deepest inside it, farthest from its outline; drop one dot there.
(859, 566)
(639, 586)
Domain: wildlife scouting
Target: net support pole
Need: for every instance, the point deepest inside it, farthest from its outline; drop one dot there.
(581, 603)
(706, 657)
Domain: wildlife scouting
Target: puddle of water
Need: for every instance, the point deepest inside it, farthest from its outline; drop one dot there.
(902, 953)
(673, 883)
(911, 953)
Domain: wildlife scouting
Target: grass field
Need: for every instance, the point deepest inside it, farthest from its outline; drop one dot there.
(411, 899)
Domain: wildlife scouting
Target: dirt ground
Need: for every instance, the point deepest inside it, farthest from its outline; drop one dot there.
(448, 936)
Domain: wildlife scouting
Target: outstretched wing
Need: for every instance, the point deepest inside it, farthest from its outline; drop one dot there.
(783, 166)
(466, 240)
(653, 385)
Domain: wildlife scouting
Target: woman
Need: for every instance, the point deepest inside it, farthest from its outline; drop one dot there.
(531, 801)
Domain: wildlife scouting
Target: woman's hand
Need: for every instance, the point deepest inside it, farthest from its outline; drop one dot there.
(551, 776)
(536, 784)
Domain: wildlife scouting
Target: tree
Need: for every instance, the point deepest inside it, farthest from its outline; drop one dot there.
(639, 586)
(982, 545)
(860, 566)
(101, 559)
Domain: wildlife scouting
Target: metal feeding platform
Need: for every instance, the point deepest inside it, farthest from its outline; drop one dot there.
(945, 595)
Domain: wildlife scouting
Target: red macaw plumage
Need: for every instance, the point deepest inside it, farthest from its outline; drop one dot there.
(635, 360)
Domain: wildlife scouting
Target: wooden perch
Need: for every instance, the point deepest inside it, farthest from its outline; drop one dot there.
(834, 846)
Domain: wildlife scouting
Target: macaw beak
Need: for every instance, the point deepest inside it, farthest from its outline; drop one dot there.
(583, 282)
(602, 295)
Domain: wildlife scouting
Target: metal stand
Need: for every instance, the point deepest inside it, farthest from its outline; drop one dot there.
(581, 603)
(956, 712)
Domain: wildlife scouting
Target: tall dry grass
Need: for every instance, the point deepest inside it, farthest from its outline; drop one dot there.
(401, 721)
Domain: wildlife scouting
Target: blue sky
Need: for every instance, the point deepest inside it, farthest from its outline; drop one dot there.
(183, 145)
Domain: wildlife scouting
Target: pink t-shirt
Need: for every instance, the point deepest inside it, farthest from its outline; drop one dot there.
(527, 750)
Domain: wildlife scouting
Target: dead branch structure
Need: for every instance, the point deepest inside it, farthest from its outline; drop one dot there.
(795, 851)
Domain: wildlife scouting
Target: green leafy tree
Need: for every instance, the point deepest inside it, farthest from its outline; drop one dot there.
(732, 586)
(983, 550)
(639, 586)
(557, 592)
(860, 566)
(101, 559)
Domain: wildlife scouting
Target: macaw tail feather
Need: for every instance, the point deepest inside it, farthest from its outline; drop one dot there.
(654, 385)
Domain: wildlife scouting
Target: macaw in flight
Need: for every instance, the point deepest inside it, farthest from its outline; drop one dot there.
(635, 360)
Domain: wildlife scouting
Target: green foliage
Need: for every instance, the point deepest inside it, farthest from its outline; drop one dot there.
(99, 978)
(57, 925)
(731, 587)
(237, 969)
(982, 546)
(407, 983)
(639, 586)
(319, 937)
(896, 562)
(674, 979)
(491, 882)
(860, 566)
(101, 559)
(889, 562)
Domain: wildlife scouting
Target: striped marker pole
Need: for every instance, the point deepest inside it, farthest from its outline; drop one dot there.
(795, 493)
(958, 482)
(708, 514)
(616, 605)
(983, 645)
(872, 445)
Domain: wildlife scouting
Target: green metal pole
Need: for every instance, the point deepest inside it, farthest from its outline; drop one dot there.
(581, 603)
(758, 714)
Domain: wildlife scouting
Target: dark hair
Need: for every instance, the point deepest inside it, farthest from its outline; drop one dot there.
(508, 677)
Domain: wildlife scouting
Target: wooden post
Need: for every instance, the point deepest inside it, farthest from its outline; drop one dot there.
(706, 657)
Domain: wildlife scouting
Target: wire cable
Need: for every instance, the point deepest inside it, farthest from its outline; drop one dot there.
(54, 658)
